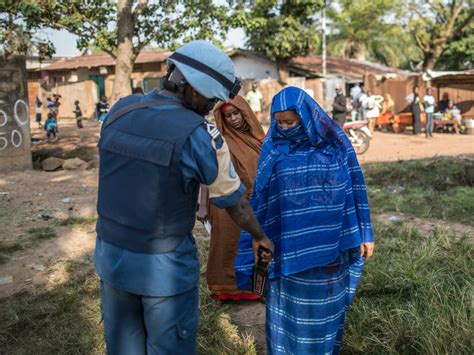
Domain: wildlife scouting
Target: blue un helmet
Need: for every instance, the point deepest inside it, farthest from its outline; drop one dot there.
(207, 69)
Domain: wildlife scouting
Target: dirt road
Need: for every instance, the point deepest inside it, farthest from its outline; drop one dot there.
(390, 146)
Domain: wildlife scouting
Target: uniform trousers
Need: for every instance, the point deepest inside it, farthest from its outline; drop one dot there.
(136, 324)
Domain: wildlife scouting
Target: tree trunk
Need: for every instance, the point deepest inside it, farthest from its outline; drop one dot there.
(125, 53)
(283, 74)
(431, 58)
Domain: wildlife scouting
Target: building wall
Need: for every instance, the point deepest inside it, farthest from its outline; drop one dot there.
(15, 137)
(76, 85)
(461, 93)
(270, 87)
(83, 91)
(254, 68)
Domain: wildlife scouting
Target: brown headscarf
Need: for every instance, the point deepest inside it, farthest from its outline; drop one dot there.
(244, 144)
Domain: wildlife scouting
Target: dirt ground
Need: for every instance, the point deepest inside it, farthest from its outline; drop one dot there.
(64, 202)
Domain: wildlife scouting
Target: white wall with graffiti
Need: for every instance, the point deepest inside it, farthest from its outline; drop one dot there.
(15, 138)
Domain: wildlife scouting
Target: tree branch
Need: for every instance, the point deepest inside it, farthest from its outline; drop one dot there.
(142, 4)
(458, 30)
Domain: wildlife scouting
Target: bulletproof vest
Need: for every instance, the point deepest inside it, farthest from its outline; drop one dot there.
(142, 205)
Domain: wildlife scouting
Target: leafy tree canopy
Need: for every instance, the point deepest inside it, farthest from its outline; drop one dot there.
(282, 29)
(372, 30)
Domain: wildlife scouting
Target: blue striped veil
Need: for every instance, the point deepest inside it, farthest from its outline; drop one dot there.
(319, 128)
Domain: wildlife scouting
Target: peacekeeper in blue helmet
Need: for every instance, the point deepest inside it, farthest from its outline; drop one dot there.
(155, 151)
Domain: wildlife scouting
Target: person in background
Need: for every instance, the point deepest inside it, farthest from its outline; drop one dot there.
(78, 113)
(51, 106)
(255, 99)
(244, 135)
(50, 126)
(429, 104)
(443, 103)
(372, 107)
(102, 109)
(454, 113)
(38, 111)
(137, 90)
(311, 199)
(388, 105)
(57, 103)
(416, 110)
(339, 109)
(355, 93)
(362, 102)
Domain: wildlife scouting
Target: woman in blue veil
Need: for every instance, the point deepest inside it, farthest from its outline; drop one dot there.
(311, 200)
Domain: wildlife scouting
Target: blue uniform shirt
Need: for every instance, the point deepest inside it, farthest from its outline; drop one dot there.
(167, 274)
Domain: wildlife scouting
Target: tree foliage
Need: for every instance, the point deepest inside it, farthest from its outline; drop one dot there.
(18, 30)
(122, 28)
(459, 53)
(436, 23)
(372, 30)
(281, 29)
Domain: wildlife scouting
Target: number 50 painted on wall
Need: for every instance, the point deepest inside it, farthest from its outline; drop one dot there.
(15, 138)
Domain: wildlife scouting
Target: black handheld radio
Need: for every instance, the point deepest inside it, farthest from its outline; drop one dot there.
(260, 272)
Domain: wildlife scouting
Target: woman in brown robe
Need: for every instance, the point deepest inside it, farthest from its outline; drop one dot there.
(244, 135)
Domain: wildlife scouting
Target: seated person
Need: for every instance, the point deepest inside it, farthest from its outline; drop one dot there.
(453, 113)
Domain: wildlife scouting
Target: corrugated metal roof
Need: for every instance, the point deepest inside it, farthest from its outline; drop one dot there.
(102, 60)
(311, 65)
(344, 66)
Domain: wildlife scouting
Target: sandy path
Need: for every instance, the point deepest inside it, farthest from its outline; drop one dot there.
(390, 147)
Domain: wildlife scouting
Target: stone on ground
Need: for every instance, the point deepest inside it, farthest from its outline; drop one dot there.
(51, 164)
(75, 164)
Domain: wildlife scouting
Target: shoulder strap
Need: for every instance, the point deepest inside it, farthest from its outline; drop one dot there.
(135, 106)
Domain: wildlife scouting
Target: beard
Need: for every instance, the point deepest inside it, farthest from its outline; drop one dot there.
(202, 109)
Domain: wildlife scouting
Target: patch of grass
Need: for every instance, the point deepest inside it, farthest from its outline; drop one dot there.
(217, 335)
(67, 319)
(78, 221)
(8, 248)
(415, 296)
(429, 188)
(439, 173)
(42, 233)
(4, 259)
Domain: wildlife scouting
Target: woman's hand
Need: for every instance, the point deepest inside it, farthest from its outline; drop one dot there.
(367, 250)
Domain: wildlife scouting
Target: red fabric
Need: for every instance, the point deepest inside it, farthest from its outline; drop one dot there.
(241, 296)
(225, 106)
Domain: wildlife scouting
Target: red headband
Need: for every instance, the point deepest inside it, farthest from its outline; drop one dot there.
(226, 106)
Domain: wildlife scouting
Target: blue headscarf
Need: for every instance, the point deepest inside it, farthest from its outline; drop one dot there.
(309, 193)
(316, 128)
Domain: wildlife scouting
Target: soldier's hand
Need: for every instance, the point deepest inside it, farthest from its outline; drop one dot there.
(202, 213)
(265, 243)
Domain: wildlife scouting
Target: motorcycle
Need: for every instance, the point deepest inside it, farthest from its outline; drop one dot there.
(359, 135)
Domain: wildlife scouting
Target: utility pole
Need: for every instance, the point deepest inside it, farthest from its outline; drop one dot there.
(323, 54)
(323, 27)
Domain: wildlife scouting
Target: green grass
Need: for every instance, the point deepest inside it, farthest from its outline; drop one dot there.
(67, 319)
(42, 233)
(217, 335)
(7, 248)
(430, 188)
(78, 221)
(415, 296)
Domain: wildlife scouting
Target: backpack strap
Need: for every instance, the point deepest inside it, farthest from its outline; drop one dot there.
(135, 106)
